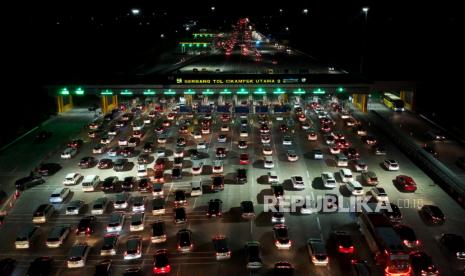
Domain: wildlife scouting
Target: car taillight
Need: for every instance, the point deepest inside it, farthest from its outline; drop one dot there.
(276, 242)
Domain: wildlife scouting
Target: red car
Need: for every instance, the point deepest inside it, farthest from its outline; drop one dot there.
(77, 143)
(160, 164)
(158, 178)
(406, 183)
(244, 159)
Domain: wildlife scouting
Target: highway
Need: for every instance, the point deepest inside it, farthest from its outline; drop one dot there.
(202, 261)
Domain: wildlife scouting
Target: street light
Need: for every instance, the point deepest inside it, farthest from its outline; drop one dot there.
(365, 11)
(305, 11)
(135, 11)
(213, 8)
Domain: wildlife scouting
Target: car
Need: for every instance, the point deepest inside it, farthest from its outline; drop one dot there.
(334, 149)
(242, 144)
(138, 204)
(103, 268)
(267, 150)
(141, 170)
(158, 232)
(273, 177)
(99, 206)
(144, 185)
(329, 181)
(144, 158)
(133, 248)
(368, 139)
(369, 178)
(148, 147)
(160, 152)
(160, 164)
(222, 251)
(241, 175)
(40, 266)
(87, 162)
(77, 255)
(133, 142)
(283, 128)
(292, 156)
(181, 142)
(185, 242)
(59, 195)
(180, 215)
(7, 266)
(312, 136)
(407, 235)
(128, 183)
(247, 210)
(86, 225)
(176, 173)
(317, 251)
(391, 165)
(278, 191)
(393, 213)
(214, 208)
(158, 177)
(201, 144)
(343, 242)
(217, 166)
(69, 153)
(161, 263)
(183, 129)
(106, 139)
(180, 198)
(432, 215)
(243, 132)
(346, 175)
(205, 130)
(116, 222)
(265, 139)
(430, 149)
(455, 244)
(105, 163)
(355, 187)
(281, 237)
(110, 245)
(254, 260)
(122, 141)
(197, 167)
(351, 153)
(297, 182)
(26, 236)
(76, 143)
(222, 138)
(162, 139)
(114, 151)
(361, 131)
(120, 164)
(158, 206)
(244, 159)
(224, 128)
(109, 183)
(379, 194)
(48, 169)
(57, 236)
(74, 207)
(217, 183)
(195, 154)
(72, 179)
(179, 152)
(268, 162)
(41, 136)
(137, 222)
(121, 201)
(405, 183)
(360, 267)
(422, 264)
(33, 179)
(436, 135)
(220, 152)
(287, 140)
(379, 149)
(317, 154)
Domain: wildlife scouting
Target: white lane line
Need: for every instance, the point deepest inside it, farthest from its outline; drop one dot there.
(251, 228)
(169, 192)
(318, 223)
(308, 175)
(195, 201)
(179, 270)
(312, 196)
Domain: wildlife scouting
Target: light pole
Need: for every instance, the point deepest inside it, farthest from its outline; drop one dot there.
(365, 11)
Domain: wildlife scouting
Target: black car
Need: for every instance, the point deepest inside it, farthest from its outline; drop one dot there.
(220, 152)
(214, 208)
(144, 158)
(278, 190)
(109, 183)
(87, 162)
(47, 169)
(86, 225)
(422, 264)
(176, 173)
(180, 198)
(361, 267)
(103, 268)
(7, 266)
(120, 164)
(247, 209)
(177, 162)
(76, 143)
(128, 152)
(41, 266)
(343, 241)
(128, 183)
(180, 215)
(432, 215)
(195, 154)
(254, 260)
(29, 181)
(161, 264)
(217, 183)
(144, 185)
(455, 244)
(185, 242)
(241, 176)
(134, 141)
(351, 153)
(148, 147)
(42, 136)
(379, 149)
(133, 271)
(394, 215)
(283, 269)
(105, 163)
(181, 142)
(407, 235)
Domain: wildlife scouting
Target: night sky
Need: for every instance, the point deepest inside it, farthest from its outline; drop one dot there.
(80, 40)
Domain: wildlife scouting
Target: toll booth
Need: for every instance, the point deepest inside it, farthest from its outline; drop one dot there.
(223, 109)
(360, 101)
(64, 103)
(242, 109)
(261, 109)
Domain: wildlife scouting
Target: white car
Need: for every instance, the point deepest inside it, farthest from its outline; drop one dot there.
(267, 150)
(265, 139)
(222, 138)
(360, 166)
(346, 175)
(201, 144)
(72, 179)
(344, 114)
(224, 128)
(328, 180)
(197, 168)
(244, 133)
(334, 150)
(205, 130)
(391, 165)
(292, 156)
(74, 207)
(147, 121)
(68, 153)
(122, 142)
(355, 187)
(107, 139)
(217, 166)
(279, 118)
(197, 135)
(99, 149)
(379, 193)
(59, 195)
(141, 170)
(268, 161)
(273, 177)
(287, 141)
(312, 136)
(317, 251)
(160, 153)
(298, 182)
(161, 139)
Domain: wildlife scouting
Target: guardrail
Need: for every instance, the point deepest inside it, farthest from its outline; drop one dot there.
(447, 179)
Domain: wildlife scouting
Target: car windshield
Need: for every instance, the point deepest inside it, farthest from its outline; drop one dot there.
(161, 260)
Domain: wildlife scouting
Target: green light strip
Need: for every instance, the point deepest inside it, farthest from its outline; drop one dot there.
(149, 92)
(279, 92)
(260, 92)
(242, 92)
(226, 92)
(106, 92)
(169, 92)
